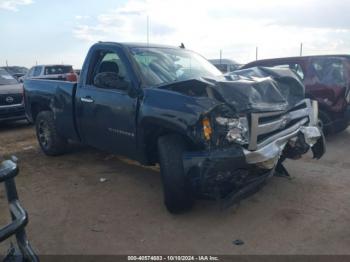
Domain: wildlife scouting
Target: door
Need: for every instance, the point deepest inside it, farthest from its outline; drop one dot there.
(106, 114)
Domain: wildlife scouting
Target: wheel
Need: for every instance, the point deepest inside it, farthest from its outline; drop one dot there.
(49, 140)
(178, 196)
(325, 123)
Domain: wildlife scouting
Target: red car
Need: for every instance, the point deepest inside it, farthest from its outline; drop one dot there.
(326, 79)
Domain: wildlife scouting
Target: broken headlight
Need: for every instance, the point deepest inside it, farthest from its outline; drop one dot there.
(347, 98)
(237, 129)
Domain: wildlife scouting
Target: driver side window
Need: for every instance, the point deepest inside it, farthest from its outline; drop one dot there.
(110, 72)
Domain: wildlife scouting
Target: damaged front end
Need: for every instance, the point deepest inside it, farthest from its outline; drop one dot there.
(244, 148)
(252, 149)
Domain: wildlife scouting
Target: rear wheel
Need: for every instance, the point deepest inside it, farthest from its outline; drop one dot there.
(49, 140)
(178, 195)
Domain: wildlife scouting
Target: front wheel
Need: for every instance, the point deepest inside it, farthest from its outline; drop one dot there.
(49, 140)
(178, 195)
(325, 123)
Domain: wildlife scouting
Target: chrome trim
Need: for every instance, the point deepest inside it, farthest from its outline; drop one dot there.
(11, 106)
(257, 129)
(86, 100)
(274, 146)
(314, 118)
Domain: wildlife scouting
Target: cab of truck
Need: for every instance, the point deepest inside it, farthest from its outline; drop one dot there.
(327, 80)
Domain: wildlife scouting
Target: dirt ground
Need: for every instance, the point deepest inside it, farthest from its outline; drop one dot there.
(72, 212)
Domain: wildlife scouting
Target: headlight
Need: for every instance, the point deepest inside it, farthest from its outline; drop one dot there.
(237, 129)
(348, 97)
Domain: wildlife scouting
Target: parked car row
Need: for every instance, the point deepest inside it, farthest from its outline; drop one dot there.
(51, 72)
(11, 89)
(225, 65)
(16, 71)
(11, 98)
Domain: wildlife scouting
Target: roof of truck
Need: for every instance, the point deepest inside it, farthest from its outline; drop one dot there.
(131, 44)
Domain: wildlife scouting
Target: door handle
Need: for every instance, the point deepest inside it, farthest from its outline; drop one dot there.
(87, 100)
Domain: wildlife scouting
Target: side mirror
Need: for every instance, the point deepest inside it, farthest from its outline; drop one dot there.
(110, 80)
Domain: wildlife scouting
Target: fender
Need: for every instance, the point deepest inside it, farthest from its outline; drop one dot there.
(163, 111)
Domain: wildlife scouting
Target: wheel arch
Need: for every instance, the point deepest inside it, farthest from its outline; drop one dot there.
(149, 133)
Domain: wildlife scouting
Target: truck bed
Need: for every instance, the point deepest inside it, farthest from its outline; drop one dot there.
(57, 96)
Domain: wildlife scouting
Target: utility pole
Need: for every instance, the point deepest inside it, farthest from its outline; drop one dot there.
(301, 49)
(220, 56)
(147, 29)
(256, 53)
(7, 64)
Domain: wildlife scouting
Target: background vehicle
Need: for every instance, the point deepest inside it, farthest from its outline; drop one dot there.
(77, 71)
(225, 65)
(51, 72)
(159, 104)
(327, 80)
(11, 98)
(22, 250)
(16, 71)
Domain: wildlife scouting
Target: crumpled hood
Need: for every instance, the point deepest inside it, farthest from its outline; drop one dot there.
(11, 89)
(251, 90)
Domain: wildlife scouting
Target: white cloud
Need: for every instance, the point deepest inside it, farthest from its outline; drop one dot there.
(236, 27)
(12, 5)
(82, 17)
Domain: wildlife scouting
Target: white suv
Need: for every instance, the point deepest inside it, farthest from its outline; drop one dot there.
(51, 72)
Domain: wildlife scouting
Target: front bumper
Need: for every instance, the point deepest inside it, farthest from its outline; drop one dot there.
(12, 113)
(270, 153)
(238, 167)
(229, 173)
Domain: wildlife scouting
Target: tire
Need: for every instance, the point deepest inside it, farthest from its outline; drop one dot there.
(325, 122)
(49, 140)
(178, 195)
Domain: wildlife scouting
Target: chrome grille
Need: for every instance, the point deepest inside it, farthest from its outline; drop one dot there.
(265, 127)
(10, 99)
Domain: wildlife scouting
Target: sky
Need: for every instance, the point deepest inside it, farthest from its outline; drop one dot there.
(48, 32)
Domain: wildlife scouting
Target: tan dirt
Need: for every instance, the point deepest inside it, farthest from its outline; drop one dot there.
(72, 212)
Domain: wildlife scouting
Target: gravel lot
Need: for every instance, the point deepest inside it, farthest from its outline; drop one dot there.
(72, 212)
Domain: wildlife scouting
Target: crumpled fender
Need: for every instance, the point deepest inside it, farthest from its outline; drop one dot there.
(319, 149)
(173, 110)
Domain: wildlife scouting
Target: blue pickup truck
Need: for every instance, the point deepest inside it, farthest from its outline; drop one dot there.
(213, 136)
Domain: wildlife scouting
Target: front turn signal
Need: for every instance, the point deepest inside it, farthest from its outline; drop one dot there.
(207, 128)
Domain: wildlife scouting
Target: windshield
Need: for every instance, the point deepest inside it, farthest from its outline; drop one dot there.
(13, 70)
(166, 65)
(57, 70)
(6, 78)
(330, 71)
